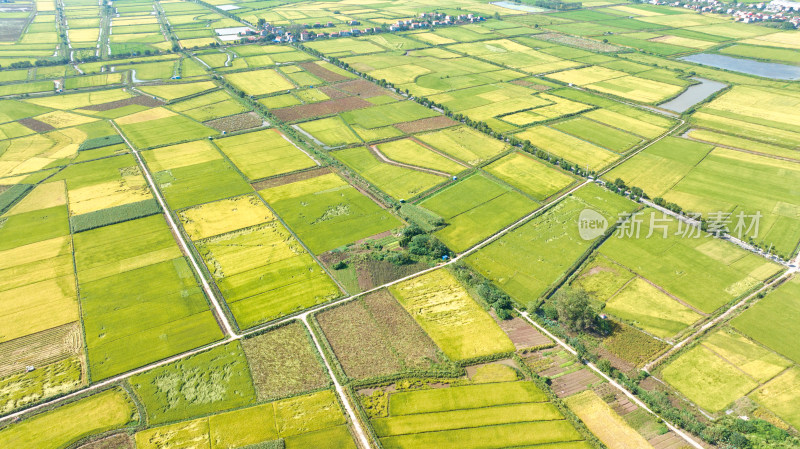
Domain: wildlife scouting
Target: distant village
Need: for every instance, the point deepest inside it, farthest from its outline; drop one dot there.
(315, 31)
(781, 11)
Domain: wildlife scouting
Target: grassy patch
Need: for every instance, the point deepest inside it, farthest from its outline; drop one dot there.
(773, 321)
(549, 244)
(211, 381)
(200, 183)
(114, 215)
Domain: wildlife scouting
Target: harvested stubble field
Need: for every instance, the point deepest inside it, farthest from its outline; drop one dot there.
(238, 122)
(374, 336)
(283, 362)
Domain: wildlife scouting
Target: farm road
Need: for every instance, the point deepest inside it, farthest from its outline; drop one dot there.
(611, 381)
(364, 442)
(231, 335)
(222, 319)
(302, 316)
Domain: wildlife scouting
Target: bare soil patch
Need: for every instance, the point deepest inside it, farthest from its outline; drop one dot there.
(322, 73)
(36, 125)
(282, 180)
(312, 110)
(372, 273)
(333, 92)
(573, 383)
(522, 334)
(363, 88)
(426, 124)
(141, 100)
(117, 441)
(531, 85)
(238, 122)
(669, 440)
(40, 348)
(11, 29)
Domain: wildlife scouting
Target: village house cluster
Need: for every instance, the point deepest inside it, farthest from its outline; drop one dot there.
(775, 11)
(309, 32)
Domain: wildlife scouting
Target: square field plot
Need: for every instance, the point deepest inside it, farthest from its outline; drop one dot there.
(194, 173)
(775, 320)
(474, 209)
(130, 320)
(262, 154)
(395, 341)
(326, 212)
(160, 126)
(530, 175)
(263, 273)
(259, 82)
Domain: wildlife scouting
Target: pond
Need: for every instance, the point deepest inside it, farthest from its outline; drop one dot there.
(748, 66)
(518, 7)
(693, 95)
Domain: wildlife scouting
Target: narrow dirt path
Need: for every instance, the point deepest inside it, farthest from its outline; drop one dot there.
(611, 381)
(363, 440)
(222, 319)
(374, 150)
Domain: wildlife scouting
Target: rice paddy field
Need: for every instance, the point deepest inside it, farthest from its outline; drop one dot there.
(189, 191)
(326, 212)
(475, 208)
(506, 413)
(545, 265)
